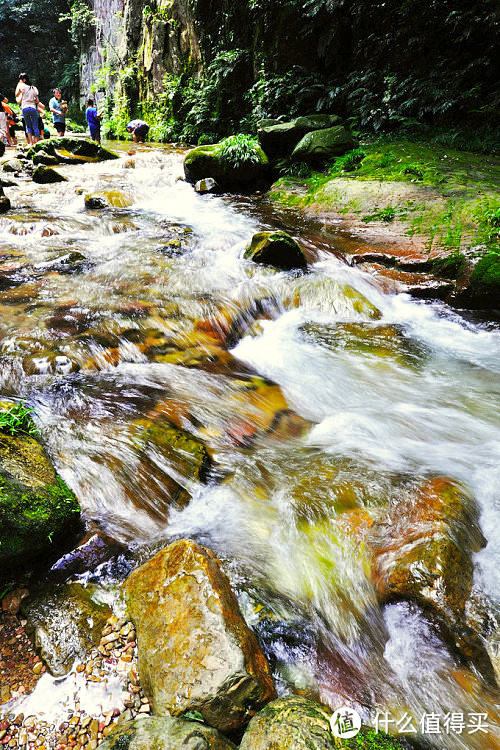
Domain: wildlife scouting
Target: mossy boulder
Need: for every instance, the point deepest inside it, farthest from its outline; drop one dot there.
(483, 288)
(165, 733)
(12, 165)
(208, 161)
(279, 140)
(36, 507)
(73, 150)
(65, 624)
(48, 160)
(296, 723)
(47, 175)
(276, 249)
(196, 652)
(108, 199)
(319, 146)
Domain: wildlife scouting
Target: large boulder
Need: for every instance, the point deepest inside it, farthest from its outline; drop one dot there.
(165, 733)
(65, 624)
(482, 290)
(279, 140)
(275, 249)
(73, 150)
(209, 161)
(48, 160)
(46, 175)
(36, 507)
(319, 146)
(298, 723)
(196, 652)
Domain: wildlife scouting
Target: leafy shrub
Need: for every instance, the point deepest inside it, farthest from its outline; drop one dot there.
(240, 149)
(414, 169)
(351, 161)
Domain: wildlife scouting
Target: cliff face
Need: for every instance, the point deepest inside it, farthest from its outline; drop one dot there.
(158, 38)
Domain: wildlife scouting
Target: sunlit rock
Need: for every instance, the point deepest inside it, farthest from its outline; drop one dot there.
(296, 722)
(207, 161)
(73, 150)
(36, 507)
(195, 651)
(108, 199)
(165, 733)
(425, 552)
(276, 249)
(48, 160)
(12, 165)
(207, 185)
(65, 624)
(47, 175)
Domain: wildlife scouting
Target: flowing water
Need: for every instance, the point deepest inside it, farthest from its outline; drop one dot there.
(104, 328)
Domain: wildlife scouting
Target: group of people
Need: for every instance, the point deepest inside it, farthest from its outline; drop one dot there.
(33, 112)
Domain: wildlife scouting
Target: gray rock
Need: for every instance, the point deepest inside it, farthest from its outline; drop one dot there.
(12, 165)
(280, 139)
(165, 733)
(318, 146)
(65, 624)
(208, 185)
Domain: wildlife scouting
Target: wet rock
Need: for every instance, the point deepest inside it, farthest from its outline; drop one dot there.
(36, 506)
(49, 362)
(171, 459)
(12, 165)
(19, 294)
(66, 263)
(11, 602)
(94, 549)
(165, 733)
(276, 249)
(296, 722)
(48, 160)
(195, 651)
(279, 139)
(108, 199)
(7, 182)
(65, 624)
(46, 175)
(4, 202)
(206, 162)
(208, 185)
(482, 288)
(68, 148)
(425, 553)
(319, 146)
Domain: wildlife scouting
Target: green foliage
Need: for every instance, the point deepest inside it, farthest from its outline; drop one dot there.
(386, 214)
(17, 420)
(82, 18)
(240, 149)
(293, 93)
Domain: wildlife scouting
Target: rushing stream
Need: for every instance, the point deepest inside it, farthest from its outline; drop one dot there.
(104, 302)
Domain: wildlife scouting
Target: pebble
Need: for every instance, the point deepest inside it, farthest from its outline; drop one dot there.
(116, 647)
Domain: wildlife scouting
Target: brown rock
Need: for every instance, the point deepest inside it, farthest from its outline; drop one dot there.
(196, 653)
(12, 601)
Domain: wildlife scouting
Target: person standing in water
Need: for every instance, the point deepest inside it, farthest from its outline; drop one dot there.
(28, 99)
(93, 118)
(58, 109)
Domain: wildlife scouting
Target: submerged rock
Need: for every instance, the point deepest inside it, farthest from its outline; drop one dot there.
(276, 249)
(196, 652)
(36, 506)
(46, 175)
(108, 199)
(319, 146)
(65, 624)
(425, 553)
(296, 723)
(165, 733)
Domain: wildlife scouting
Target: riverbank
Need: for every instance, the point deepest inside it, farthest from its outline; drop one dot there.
(425, 216)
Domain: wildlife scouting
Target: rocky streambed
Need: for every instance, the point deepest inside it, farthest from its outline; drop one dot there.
(273, 479)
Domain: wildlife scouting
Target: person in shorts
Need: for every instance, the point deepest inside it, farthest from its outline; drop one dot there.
(93, 118)
(139, 130)
(27, 98)
(58, 109)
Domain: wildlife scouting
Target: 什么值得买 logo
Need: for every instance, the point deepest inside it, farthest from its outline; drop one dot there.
(345, 722)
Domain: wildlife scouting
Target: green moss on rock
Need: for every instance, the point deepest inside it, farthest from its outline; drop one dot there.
(68, 149)
(209, 161)
(275, 249)
(36, 506)
(485, 278)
